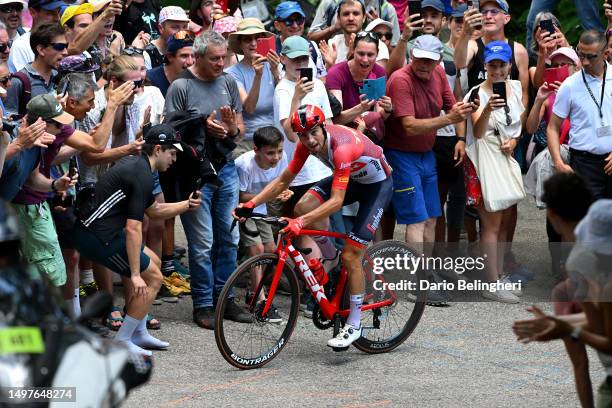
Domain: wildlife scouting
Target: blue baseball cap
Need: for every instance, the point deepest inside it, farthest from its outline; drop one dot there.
(497, 50)
(503, 4)
(287, 8)
(434, 4)
(48, 5)
(459, 11)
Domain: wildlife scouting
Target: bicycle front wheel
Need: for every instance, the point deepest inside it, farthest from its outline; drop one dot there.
(254, 342)
(386, 327)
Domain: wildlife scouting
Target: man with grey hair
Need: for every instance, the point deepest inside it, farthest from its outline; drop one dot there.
(204, 89)
(5, 43)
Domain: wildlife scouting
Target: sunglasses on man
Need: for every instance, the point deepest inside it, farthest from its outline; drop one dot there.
(299, 20)
(6, 47)
(10, 8)
(388, 35)
(59, 46)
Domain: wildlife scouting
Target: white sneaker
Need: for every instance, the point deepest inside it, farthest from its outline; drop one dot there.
(504, 296)
(348, 334)
(516, 292)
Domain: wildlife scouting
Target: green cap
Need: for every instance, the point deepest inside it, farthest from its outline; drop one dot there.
(48, 107)
(295, 46)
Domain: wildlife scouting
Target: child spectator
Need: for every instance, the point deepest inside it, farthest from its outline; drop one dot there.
(256, 168)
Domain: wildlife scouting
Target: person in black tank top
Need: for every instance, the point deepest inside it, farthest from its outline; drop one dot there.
(477, 72)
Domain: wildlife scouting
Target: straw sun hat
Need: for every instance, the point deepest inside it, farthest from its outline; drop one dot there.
(247, 26)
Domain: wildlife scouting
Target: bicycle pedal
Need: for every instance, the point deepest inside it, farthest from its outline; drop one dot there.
(339, 349)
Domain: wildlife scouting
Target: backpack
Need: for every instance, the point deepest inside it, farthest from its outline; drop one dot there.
(202, 157)
(26, 92)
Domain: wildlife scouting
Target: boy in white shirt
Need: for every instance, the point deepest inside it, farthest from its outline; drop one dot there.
(256, 168)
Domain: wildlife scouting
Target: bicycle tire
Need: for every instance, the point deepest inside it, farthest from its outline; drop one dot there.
(372, 341)
(276, 336)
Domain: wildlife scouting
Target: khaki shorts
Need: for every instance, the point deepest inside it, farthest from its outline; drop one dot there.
(265, 233)
(40, 245)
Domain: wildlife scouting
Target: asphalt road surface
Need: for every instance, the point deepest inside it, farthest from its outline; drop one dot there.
(462, 355)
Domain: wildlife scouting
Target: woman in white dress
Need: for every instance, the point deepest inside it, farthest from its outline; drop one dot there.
(496, 129)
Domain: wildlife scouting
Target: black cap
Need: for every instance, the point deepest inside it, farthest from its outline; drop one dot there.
(162, 134)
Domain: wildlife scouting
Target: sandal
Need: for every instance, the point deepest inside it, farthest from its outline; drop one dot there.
(112, 322)
(153, 323)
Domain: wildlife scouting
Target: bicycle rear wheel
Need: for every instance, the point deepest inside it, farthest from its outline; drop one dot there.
(387, 327)
(254, 344)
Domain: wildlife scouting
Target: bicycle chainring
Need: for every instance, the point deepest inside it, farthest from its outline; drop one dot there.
(319, 321)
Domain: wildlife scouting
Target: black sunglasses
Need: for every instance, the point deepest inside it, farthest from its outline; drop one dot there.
(9, 8)
(296, 20)
(139, 83)
(5, 47)
(5, 79)
(59, 46)
(388, 35)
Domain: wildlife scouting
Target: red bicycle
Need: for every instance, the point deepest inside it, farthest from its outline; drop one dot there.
(266, 286)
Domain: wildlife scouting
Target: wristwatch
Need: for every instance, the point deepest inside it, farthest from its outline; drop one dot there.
(53, 186)
(235, 135)
(575, 335)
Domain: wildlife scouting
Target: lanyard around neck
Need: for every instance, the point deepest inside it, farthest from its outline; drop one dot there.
(603, 92)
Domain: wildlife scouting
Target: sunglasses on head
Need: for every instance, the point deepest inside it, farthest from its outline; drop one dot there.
(183, 35)
(132, 51)
(388, 35)
(367, 34)
(299, 20)
(9, 8)
(59, 46)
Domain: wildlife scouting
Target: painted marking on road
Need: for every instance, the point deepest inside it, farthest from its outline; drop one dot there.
(221, 386)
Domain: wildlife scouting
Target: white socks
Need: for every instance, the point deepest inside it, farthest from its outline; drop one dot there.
(354, 317)
(125, 335)
(142, 338)
(86, 276)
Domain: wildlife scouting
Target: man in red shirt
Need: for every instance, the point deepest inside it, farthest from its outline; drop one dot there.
(419, 92)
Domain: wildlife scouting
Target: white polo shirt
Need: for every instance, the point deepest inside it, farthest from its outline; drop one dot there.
(574, 102)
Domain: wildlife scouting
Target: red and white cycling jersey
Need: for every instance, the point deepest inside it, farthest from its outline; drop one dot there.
(350, 155)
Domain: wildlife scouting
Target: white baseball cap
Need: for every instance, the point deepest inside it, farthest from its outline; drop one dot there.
(173, 13)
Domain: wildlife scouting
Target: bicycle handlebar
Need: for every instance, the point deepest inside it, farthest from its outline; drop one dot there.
(263, 217)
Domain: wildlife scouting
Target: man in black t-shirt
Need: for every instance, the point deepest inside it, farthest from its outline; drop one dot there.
(139, 15)
(111, 232)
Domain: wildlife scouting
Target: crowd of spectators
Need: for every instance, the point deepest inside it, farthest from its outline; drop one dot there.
(463, 110)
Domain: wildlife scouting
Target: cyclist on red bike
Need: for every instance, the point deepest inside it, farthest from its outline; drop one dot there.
(360, 174)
